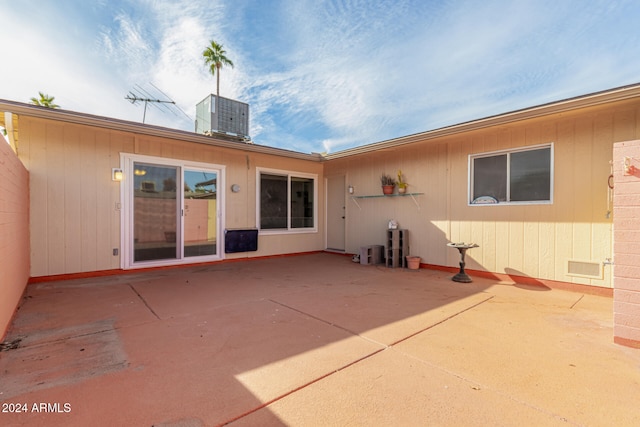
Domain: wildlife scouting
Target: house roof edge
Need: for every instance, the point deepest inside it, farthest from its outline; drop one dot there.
(596, 98)
(69, 116)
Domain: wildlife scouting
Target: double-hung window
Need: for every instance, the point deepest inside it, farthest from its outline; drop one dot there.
(512, 176)
(287, 201)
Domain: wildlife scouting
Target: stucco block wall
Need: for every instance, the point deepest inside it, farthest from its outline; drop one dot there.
(626, 293)
(14, 233)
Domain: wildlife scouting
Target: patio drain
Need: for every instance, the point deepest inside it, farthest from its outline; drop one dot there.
(10, 345)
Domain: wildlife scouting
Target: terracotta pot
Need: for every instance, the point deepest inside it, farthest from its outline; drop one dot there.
(387, 189)
(413, 262)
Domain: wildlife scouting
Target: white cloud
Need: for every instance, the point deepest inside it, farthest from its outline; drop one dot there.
(322, 75)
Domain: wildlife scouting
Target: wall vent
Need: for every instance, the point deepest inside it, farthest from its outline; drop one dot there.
(588, 269)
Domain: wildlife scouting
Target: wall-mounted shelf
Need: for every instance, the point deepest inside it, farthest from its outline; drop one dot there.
(376, 196)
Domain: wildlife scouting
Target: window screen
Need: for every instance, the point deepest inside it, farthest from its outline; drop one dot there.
(531, 175)
(286, 201)
(273, 201)
(490, 177)
(517, 176)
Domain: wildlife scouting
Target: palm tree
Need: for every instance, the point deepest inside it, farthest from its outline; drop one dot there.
(44, 101)
(214, 58)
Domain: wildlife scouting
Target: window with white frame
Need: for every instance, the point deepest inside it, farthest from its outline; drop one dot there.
(287, 201)
(512, 176)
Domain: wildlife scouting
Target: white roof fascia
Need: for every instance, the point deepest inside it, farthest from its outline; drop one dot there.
(594, 99)
(146, 129)
(598, 98)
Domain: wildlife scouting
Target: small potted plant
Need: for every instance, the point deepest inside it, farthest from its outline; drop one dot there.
(413, 262)
(388, 183)
(402, 185)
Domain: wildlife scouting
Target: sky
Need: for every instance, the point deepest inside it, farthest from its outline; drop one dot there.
(318, 75)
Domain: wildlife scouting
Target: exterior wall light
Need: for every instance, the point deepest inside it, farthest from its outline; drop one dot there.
(351, 189)
(116, 174)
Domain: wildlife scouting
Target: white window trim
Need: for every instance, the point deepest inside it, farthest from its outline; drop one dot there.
(288, 174)
(126, 203)
(509, 151)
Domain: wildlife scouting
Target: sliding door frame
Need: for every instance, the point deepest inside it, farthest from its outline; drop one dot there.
(127, 161)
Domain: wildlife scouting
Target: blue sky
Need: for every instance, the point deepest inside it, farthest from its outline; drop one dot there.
(319, 76)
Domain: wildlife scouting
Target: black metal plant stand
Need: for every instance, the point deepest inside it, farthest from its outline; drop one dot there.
(462, 248)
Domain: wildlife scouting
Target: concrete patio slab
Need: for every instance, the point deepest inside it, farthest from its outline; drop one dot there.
(59, 310)
(553, 350)
(387, 308)
(312, 340)
(392, 388)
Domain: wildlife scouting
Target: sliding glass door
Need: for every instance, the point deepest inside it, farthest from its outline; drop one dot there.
(171, 211)
(200, 212)
(155, 212)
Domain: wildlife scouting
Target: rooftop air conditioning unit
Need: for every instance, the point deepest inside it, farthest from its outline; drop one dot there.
(229, 116)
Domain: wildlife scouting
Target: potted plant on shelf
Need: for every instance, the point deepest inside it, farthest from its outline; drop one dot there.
(388, 183)
(402, 185)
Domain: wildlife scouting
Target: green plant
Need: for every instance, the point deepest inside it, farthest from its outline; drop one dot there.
(44, 101)
(387, 179)
(215, 58)
(401, 182)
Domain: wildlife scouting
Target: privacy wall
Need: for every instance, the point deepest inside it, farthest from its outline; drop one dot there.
(536, 241)
(626, 294)
(14, 233)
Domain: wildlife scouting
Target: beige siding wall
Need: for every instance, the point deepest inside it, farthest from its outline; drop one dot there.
(531, 240)
(14, 233)
(75, 216)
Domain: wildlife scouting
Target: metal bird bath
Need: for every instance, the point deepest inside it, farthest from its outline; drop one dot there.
(462, 248)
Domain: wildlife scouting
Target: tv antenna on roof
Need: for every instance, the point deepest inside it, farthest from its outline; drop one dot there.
(140, 94)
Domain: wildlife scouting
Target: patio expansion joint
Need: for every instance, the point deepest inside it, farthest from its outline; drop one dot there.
(348, 365)
(475, 385)
(440, 322)
(143, 301)
(334, 325)
(577, 301)
(302, 386)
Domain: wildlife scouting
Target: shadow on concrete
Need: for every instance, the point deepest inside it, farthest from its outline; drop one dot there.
(213, 343)
(523, 281)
